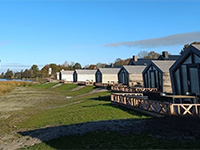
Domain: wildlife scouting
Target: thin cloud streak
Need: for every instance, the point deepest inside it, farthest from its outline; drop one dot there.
(171, 40)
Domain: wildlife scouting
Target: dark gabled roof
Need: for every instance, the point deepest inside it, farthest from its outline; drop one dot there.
(195, 48)
(109, 70)
(113, 66)
(140, 61)
(170, 57)
(134, 69)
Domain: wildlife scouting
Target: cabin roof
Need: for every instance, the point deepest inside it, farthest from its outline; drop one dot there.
(163, 65)
(67, 72)
(140, 61)
(135, 69)
(197, 46)
(109, 70)
(170, 57)
(85, 71)
(194, 48)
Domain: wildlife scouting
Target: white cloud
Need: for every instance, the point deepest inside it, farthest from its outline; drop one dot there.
(171, 40)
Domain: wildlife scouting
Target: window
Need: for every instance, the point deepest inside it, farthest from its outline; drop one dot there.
(184, 79)
(188, 60)
(177, 82)
(196, 59)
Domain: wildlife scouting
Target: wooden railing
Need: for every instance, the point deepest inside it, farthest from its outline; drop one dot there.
(185, 109)
(123, 88)
(85, 83)
(137, 100)
(104, 84)
(141, 102)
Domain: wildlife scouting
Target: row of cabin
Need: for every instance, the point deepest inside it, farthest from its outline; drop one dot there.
(169, 73)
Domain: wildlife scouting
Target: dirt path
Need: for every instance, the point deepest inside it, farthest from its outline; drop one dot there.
(77, 88)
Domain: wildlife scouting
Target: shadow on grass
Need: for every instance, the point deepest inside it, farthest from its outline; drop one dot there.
(101, 98)
(168, 132)
(128, 110)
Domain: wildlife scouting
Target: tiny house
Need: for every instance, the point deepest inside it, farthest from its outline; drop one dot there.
(107, 75)
(66, 75)
(156, 75)
(131, 75)
(185, 72)
(84, 75)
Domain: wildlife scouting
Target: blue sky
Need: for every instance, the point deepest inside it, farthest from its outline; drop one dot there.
(43, 32)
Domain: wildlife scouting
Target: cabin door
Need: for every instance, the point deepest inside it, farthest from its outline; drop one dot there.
(193, 78)
(123, 78)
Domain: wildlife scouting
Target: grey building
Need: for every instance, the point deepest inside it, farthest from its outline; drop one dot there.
(81, 75)
(156, 75)
(131, 75)
(143, 61)
(185, 72)
(107, 75)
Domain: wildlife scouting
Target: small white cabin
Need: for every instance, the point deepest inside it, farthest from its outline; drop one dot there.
(107, 75)
(84, 75)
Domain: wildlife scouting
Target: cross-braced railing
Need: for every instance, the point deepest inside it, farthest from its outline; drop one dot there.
(124, 88)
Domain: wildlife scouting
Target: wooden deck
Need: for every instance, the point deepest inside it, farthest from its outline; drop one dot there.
(155, 108)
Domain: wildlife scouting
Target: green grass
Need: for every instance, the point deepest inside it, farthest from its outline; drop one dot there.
(66, 87)
(89, 109)
(84, 90)
(44, 85)
(113, 140)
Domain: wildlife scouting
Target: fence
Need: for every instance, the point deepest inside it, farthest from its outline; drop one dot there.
(137, 100)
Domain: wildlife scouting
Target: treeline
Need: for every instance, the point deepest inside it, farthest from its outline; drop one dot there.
(35, 72)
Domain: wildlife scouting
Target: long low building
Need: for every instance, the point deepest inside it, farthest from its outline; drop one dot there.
(84, 75)
(66, 75)
(107, 75)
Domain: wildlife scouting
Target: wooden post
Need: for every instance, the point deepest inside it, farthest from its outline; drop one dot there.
(171, 109)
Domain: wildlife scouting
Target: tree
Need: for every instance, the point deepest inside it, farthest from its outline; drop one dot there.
(120, 61)
(2, 75)
(34, 71)
(93, 67)
(152, 55)
(9, 74)
(77, 66)
(148, 55)
(100, 65)
(142, 54)
(66, 64)
(187, 45)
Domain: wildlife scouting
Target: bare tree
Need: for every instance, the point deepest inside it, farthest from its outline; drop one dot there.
(142, 54)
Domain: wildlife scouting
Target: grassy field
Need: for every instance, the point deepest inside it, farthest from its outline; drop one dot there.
(7, 86)
(41, 107)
